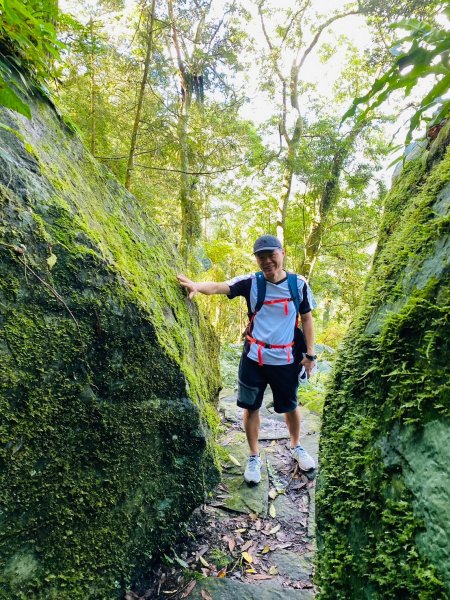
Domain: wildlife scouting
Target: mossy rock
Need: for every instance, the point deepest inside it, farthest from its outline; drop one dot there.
(383, 514)
(109, 376)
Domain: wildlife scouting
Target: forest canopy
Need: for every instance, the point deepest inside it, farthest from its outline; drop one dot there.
(235, 118)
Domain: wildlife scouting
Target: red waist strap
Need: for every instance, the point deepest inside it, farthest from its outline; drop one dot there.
(262, 345)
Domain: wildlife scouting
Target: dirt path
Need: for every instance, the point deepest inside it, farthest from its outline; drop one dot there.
(249, 542)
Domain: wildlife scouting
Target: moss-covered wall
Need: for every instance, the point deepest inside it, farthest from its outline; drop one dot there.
(383, 505)
(108, 377)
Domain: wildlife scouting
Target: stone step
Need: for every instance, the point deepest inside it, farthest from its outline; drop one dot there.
(225, 589)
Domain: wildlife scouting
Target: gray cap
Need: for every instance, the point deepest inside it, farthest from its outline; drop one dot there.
(267, 242)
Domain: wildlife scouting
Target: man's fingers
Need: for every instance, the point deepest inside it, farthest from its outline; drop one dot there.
(188, 284)
(183, 280)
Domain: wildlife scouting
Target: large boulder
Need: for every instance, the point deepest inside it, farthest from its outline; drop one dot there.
(383, 506)
(108, 375)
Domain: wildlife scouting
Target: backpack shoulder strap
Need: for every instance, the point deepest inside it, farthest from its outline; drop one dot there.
(261, 289)
(293, 289)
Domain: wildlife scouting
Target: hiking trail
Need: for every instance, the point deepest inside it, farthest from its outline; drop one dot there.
(249, 542)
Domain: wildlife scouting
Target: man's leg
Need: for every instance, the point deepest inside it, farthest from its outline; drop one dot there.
(284, 384)
(292, 419)
(251, 426)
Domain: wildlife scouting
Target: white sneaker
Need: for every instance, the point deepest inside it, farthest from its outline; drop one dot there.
(252, 472)
(305, 461)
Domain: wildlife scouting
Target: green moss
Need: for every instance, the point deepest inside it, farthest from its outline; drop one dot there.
(109, 379)
(392, 374)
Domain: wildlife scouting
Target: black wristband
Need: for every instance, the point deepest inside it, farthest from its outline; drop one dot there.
(311, 356)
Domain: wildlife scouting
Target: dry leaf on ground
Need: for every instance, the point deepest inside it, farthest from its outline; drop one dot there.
(246, 556)
(206, 595)
(190, 586)
(203, 561)
(275, 529)
(273, 493)
(234, 460)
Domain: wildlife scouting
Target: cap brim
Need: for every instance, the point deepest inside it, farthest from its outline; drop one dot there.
(266, 248)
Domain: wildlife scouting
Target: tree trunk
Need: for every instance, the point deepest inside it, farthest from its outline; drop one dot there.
(137, 118)
(327, 202)
(190, 218)
(288, 174)
(92, 90)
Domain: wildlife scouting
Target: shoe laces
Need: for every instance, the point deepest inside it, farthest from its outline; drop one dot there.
(253, 463)
(299, 450)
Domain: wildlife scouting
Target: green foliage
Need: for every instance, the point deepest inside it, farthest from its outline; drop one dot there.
(28, 39)
(427, 54)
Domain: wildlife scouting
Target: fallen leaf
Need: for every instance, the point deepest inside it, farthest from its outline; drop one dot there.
(51, 261)
(250, 571)
(253, 516)
(272, 511)
(265, 550)
(191, 585)
(247, 545)
(231, 544)
(234, 460)
(203, 561)
(284, 546)
(258, 525)
(273, 570)
(206, 595)
(273, 493)
(261, 576)
(181, 562)
(246, 556)
(240, 530)
(222, 573)
(275, 529)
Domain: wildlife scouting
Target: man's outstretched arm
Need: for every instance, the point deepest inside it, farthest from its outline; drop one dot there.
(204, 287)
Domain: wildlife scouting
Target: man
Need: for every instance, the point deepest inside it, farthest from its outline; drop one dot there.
(268, 357)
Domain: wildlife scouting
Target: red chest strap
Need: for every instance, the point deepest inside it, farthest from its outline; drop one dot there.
(278, 301)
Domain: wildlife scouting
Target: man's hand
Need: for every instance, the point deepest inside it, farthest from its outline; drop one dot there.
(310, 366)
(191, 286)
(204, 287)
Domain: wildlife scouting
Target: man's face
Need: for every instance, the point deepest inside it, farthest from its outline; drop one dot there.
(270, 261)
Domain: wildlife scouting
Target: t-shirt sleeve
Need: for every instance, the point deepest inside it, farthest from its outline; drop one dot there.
(240, 286)
(307, 300)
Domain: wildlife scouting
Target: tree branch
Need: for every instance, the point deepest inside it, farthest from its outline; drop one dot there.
(192, 172)
(321, 29)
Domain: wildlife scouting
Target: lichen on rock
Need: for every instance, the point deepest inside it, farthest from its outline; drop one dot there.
(382, 506)
(108, 379)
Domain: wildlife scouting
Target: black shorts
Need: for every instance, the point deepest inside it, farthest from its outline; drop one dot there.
(253, 380)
